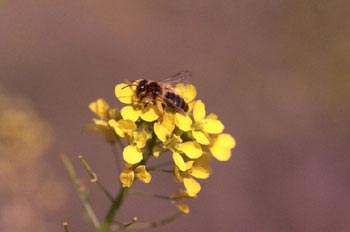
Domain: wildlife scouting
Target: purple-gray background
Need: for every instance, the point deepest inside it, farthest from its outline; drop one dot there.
(276, 73)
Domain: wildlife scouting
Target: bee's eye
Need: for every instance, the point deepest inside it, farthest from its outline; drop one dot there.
(141, 86)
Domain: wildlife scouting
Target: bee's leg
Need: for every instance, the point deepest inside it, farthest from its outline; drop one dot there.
(143, 102)
(159, 105)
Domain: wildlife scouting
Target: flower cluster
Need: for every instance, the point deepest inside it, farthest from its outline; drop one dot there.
(190, 138)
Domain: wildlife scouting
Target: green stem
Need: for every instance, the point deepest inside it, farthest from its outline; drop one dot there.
(113, 210)
(149, 149)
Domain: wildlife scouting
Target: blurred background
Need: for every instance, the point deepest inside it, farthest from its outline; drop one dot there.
(276, 73)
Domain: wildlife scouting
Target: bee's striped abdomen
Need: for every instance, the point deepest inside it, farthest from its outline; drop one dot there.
(177, 101)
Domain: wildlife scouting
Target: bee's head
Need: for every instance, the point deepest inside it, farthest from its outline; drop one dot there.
(141, 87)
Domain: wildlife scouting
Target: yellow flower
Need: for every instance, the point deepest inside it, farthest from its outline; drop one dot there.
(127, 176)
(165, 128)
(123, 127)
(186, 170)
(180, 162)
(132, 153)
(183, 122)
(130, 113)
(104, 113)
(192, 137)
(164, 131)
(221, 146)
(100, 107)
(187, 92)
(192, 149)
(192, 186)
(204, 125)
(148, 114)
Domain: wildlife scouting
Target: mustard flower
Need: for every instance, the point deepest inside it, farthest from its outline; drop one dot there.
(187, 171)
(127, 176)
(165, 133)
(104, 113)
(132, 153)
(221, 146)
(191, 137)
(165, 122)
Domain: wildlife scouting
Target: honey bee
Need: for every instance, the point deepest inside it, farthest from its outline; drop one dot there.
(162, 93)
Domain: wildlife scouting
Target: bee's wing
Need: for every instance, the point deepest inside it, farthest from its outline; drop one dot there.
(180, 77)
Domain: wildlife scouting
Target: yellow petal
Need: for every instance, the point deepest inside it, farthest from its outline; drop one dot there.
(177, 174)
(99, 107)
(190, 106)
(128, 112)
(189, 164)
(123, 127)
(201, 137)
(132, 154)
(127, 178)
(221, 153)
(225, 140)
(127, 126)
(183, 208)
(221, 147)
(212, 116)
(143, 174)
(141, 139)
(149, 114)
(124, 93)
(212, 126)
(183, 122)
(115, 125)
(99, 122)
(188, 92)
(192, 186)
(203, 161)
(160, 131)
(179, 161)
(168, 121)
(193, 150)
(198, 111)
(200, 172)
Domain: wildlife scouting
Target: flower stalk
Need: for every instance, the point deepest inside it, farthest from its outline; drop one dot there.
(66, 227)
(94, 179)
(116, 204)
(81, 190)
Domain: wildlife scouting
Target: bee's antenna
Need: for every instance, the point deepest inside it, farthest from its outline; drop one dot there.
(129, 86)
